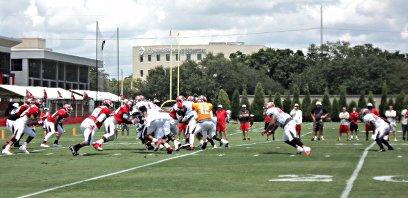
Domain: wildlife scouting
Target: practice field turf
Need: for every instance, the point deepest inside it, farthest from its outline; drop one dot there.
(255, 168)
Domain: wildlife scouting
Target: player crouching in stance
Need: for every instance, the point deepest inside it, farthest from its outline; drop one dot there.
(121, 115)
(284, 120)
(23, 125)
(91, 124)
(380, 126)
(54, 125)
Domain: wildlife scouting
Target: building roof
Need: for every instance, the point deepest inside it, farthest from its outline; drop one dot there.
(100, 96)
(9, 42)
(14, 91)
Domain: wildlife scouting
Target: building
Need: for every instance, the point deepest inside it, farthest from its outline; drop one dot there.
(35, 65)
(6, 76)
(149, 57)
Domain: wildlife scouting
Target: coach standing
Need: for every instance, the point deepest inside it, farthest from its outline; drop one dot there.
(318, 116)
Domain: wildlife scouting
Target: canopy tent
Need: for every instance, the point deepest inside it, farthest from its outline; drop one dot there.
(14, 91)
(100, 96)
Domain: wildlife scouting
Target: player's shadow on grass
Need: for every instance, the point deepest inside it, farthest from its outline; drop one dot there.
(95, 154)
(119, 149)
(276, 153)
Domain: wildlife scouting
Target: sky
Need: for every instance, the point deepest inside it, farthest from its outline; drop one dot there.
(69, 26)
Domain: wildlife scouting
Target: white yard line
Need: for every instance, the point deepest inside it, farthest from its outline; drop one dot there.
(354, 176)
(108, 175)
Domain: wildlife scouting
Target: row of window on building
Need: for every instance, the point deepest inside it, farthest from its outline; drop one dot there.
(188, 57)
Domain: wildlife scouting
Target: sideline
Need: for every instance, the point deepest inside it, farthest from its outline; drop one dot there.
(354, 176)
(107, 175)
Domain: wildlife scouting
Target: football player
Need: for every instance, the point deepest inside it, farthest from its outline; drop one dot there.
(284, 120)
(54, 125)
(91, 124)
(380, 126)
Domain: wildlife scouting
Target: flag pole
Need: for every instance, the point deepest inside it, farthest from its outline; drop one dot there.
(117, 41)
(171, 65)
(96, 60)
(178, 64)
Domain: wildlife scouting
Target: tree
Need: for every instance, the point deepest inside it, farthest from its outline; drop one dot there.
(270, 97)
(351, 105)
(399, 103)
(258, 103)
(307, 105)
(342, 97)
(235, 106)
(334, 114)
(371, 98)
(361, 101)
(287, 104)
(244, 99)
(278, 100)
(296, 93)
(326, 100)
(223, 99)
(383, 104)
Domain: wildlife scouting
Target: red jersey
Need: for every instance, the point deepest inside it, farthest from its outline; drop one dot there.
(21, 109)
(374, 111)
(121, 113)
(99, 114)
(267, 119)
(221, 116)
(31, 111)
(353, 117)
(61, 113)
(173, 113)
(44, 115)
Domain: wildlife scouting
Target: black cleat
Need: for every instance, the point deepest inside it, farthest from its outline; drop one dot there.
(390, 148)
(73, 151)
(204, 146)
(226, 145)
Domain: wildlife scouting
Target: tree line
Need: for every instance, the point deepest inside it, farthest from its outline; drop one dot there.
(332, 68)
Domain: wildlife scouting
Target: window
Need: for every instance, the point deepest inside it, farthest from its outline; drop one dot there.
(45, 83)
(188, 56)
(71, 72)
(149, 58)
(74, 86)
(199, 56)
(83, 74)
(37, 83)
(68, 86)
(141, 73)
(34, 68)
(167, 57)
(81, 86)
(17, 65)
(61, 85)
(141, 58)
(48, 69)
(177, 57)
(158, 57)
(53, 84)
(61, 72)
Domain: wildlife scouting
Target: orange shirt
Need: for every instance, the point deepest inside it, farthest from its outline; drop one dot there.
(203, 110)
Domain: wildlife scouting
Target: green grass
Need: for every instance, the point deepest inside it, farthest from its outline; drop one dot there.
(238, 171)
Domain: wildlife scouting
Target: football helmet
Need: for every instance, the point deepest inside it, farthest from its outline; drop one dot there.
(180, 98)
(269, 105)
(190, 98)
(129, 104)
(38, 102)
(365, 111)
(139, 98)
(29, 100)
(107, 102)
(67, 107)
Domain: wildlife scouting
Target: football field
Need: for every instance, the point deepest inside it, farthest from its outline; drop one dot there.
(255, 168)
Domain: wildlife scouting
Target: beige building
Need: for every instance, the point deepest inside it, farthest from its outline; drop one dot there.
(149, 57)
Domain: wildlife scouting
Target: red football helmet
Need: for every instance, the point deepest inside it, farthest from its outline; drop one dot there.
(107, 102)
(180, 98)
(38, 102)
(29, 100)
(139, 98)
(129, 104)
(365, 111)
(269, 105)
(190, 98)
(67, 107)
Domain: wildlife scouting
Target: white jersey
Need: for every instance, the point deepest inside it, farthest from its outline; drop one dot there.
(281, 116)
(344, 116)
(296, 115)
(189, 106)
(378, 122)
(391, 115)
(403, 118)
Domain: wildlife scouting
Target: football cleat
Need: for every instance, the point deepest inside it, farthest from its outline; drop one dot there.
(204, 146)
(97, 146)
(6, 152)
(44, 145)
(299, 150)
(306, 150)
(24, 149)
(169, 150)
(73, 151)
(381, 150)
(56, 145)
